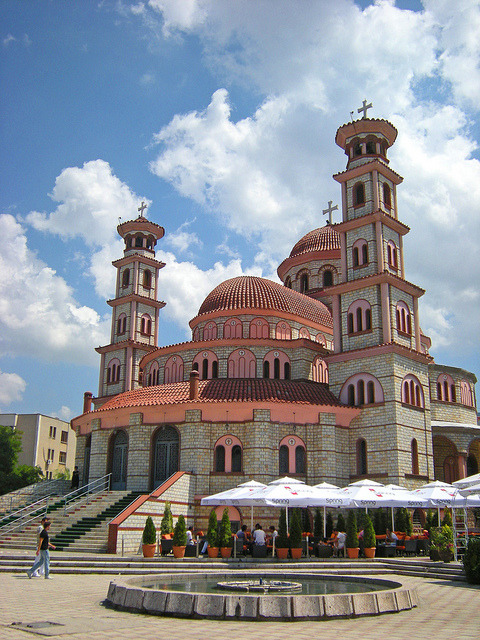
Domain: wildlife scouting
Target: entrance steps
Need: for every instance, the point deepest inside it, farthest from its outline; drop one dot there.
(68, 563)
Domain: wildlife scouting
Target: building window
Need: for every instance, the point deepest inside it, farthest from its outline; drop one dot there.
(278, 364)
(446, 388)
(206, 363)
(414, 449)
(466, 395)
(327, 278)
(304, 283)
(359, 317)
(126, 278)
(113, 371)
(404, 319)
(53, 432)
(232, 329)
(362, 468)
(228, 455)
(283, 331)
(288, 282)
(259, 328)
(62, 457)
(360, 389)
(319, 370)
(153, 375)
(360, 253)
(412, 392)
(242, 364)
(359, 194)
(210, 331)
(146, 325)
(387, 196)
(392, 255)
(292, 455)
(64, 437)
(147, 279)
(121, 324)
(139, 242)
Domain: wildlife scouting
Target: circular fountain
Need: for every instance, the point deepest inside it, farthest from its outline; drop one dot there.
(259, 596)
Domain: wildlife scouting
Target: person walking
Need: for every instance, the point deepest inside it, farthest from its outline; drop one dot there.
(43, 553)
(41, 570)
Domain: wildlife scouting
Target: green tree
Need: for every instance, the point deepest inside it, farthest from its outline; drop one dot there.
(369, 539)
(225, 537)
(149, 532)
(447, 517)
(296, 530)
(351, 541)
(166, 525)
(212, 531)
(281, 540)
(12, 476)
(341, 522)
(471, 561)
(329, 524)
(180, 533)
(318, 523)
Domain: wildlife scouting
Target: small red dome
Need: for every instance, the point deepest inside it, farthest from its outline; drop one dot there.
(322, 239)
(249, 292)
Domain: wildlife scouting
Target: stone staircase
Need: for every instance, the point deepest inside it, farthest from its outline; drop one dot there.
(84, 528)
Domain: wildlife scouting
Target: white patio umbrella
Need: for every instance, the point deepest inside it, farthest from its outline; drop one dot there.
(470, 490)
(231, 497)
(328, 488)
(467, 482)
(441, 494)
(407, 498)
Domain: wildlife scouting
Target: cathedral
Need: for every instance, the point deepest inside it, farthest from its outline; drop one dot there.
(326, 377)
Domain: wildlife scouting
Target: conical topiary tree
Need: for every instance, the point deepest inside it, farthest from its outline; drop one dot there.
(225, 536)
(340, 522)
(408, 522)
(447, 517)
(281, 541)
(351, 541)
(329, 524)
(318, 523)
(166, 525)
(212, 531)
(369, 539)
(296, 530)
(149, 532)
(180, 533)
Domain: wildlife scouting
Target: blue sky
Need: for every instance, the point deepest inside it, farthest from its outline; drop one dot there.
(222, 116)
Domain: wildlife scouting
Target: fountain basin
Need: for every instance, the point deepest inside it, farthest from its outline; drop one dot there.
(160, 595)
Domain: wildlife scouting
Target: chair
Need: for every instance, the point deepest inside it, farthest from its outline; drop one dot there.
(191, 551)
(259, 551)
(411, 547)
(167, 547)
(239, 547)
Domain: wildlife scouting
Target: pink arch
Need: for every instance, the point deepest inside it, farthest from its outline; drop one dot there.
(292, 442)
(242, 364)
(210, 331)
(259, 328)
(228, 442)
(283, 331)
(232, 328)
(173, 369)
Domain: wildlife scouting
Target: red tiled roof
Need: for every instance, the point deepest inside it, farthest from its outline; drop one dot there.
(227, 390)
(322, 239)
(249, 292)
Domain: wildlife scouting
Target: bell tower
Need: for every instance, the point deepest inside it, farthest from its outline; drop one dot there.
(135, 308)
(379, 361)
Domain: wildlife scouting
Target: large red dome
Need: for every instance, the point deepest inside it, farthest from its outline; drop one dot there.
(322, 239)
(249, 292)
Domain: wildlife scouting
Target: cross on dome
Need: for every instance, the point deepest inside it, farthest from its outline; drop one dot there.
(142, 208)
(329, 210)
(364, 108)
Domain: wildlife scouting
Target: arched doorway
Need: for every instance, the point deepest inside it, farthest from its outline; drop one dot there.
(166, 448)
(119, 461)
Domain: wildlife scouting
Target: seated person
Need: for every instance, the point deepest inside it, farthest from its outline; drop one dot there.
(391, 537)
(339, 542)
(190, 539)
(242, 533)
(258, 535)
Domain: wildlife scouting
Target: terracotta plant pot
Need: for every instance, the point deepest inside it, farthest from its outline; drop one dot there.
(212, 552)
(446, 555)
(179, 552)
(282, 553)
(226, 552)
(369, 552)
(353, 553)
(296, 553)
(149, 550)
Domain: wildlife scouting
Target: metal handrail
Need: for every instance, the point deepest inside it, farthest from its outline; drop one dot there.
(39, 508)
(86, 493)
(31, 491)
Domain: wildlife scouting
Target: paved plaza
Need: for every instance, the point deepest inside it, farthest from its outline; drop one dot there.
(74, 604)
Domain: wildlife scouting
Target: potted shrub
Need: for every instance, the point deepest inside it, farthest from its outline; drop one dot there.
(341, 522)
(318, 525)
(166, 525)
(296, 535)
(351, 541)
(149, 539)
(179, 537)
(212, 535)
(329, 524)
(441, 547)
(369, 539)
(225, 537)
(281, 541)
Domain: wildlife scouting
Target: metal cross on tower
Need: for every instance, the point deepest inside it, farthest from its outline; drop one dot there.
(329, 211)
(364, 108)
(142, 208)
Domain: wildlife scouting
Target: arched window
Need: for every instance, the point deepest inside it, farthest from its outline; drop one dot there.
(259, 328)
(387, 196)
(288, 282)
(128, 242)
(228, 454)
(232, 329)
(392, 255)
(319, 370)
(242, 364)
(113, 371)
(147, 279)
(174, 368)
(304, 333)
(286, 370)
(466, 395)
(146, 325)
(126, 278)
(358, 194)
(404, 318)
(204, 364)
(412, 392)
(276, 364)
(446, 388)
(414, 450)
(283, 331)
(150, 243)
(362, 468)
(210, 331)
(353, 390)
(357, 149)
(151, 379)
(196, 334)
(360, 253)
(292, 455)
(359, 317)
(304, 283)
(370, 148)
(449, 469)
(327, 278)
(121, 324)
(139, 241)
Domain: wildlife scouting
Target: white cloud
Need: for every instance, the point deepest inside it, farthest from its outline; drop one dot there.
(39, 316)
(12, 387)
(184, 15)
(148, 78)
(8, 40)
(64, 413)
(183, 240)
